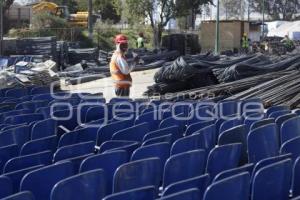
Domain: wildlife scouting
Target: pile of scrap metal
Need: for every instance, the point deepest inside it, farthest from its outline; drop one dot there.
(24, 71)
(192, 72)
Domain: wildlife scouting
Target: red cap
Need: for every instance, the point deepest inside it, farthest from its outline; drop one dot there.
(121, 39)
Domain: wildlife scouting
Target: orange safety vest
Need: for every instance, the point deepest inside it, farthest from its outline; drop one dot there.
(120, 80)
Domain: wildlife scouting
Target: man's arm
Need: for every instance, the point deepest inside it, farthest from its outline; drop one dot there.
(125, 68)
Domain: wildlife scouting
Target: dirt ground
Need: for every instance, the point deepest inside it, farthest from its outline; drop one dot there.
(141, 80)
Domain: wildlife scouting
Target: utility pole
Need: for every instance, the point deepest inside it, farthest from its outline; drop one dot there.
(263, 21)
(217, 42)
(90, 18)
(1, 27)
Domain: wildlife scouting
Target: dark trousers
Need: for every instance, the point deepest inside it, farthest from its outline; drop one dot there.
(122, 92)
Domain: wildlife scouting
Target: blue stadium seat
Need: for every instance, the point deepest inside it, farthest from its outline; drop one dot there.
(135, 133)
(232, 172)
(21, 119)
(251, 119)
(277, 114)
(26, 98)
(160, 150)
(13, 113)
(234, 188)
(291, 147)
(184, 166)
(106, 132)
(137, 174)
(191, 194)
(78, 136)
(18, 136)
(72, 102)
(43, 129)
(263, 143)
(275, 109)
(74, 151)
(261, 123)
(39, 145)
(296, 178)
(16, 93)
(280, 120)
(6, 153)
(237, 134)
(66, 118)
(229, 124)
(152, 118)
(173, 130)
(171, 121)
(290, 129)
(18, 163)
(31, 105)
(119, 100)
(296, 198)
(97, 112)
(17, 176)
(40, 90)
(144, 193)
(100, 161)
(6, 186)
(278, 177)
(76, 161)
(199, 182)
(200, 114)
(21, 196)
(193, 128)
(227, 108)
(88, 185)
(269, 161)
(41, 181)
(162, 139)
(199, 140)
(222, 158)
(250, 106)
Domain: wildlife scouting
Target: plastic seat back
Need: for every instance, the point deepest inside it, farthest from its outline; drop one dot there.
(151, 118)
(278, 176)
(116, 159)
(88, 185)
(184, 166)
(290, 129)
(196, 127)
(43, 129)
(223, 158)
(277, 114)
(106, 132)
(162, 139)
(6, 153)
(16, 93)
(199, 182)
(296, 178)
(78, 136)
(26, 118)
(263, 143)
(291, 147)
(21, 196)
(18, 136)
(74, 151)
(6, 186)
(39, 145)
(234, 188)
(41, 181)
(18, 163)
(160, 150)
(173, 130)
(229, 124)
(237, 134)
(40, 90)
(276, 109)
(135, 133)
(144, 193)
(17, 176)
(138, 174)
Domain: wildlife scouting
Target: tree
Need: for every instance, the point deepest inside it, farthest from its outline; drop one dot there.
(6, 6)
(277, 9)
(160, 12)
(233, 9)
(109, 9)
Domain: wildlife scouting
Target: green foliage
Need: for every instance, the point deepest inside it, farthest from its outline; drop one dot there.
(72, 4)
(108, 9)
(46, 20)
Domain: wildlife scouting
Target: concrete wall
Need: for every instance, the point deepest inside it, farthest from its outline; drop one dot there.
(230, 34)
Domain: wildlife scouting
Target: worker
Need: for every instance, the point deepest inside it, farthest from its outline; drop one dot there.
(288, 43)
(120, 69)
(245, 43)
(140, 41)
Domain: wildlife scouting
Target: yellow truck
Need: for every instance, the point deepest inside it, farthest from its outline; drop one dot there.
(79, 19)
